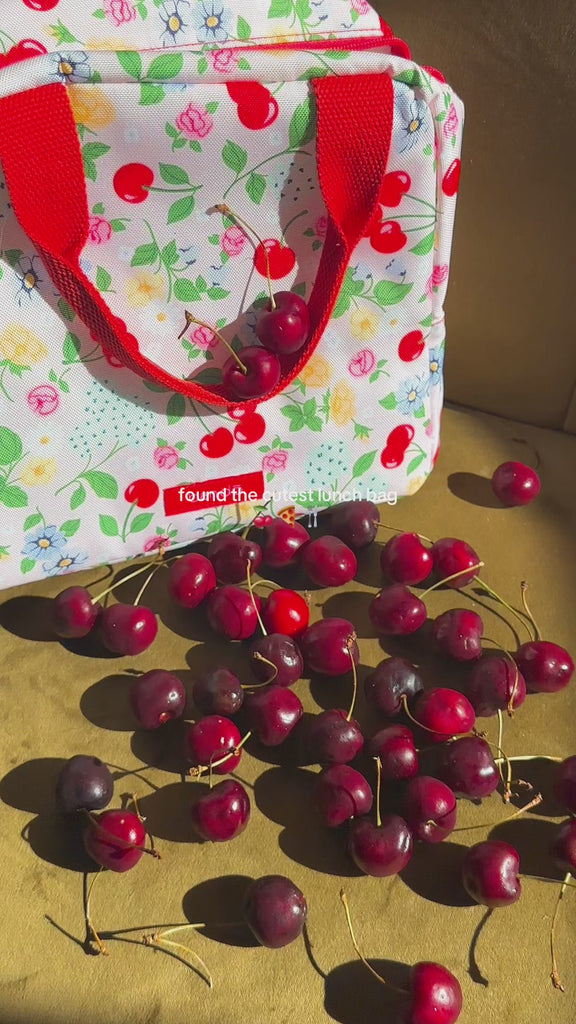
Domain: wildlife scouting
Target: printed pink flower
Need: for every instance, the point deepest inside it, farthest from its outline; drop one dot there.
(155, 543)
(362, 363)
(274, 462)
(439, 275)
(194, 122)
(166, 458)
(223, 61)
(233, 241)
(43, 399)
(119, 11)
(321, 227)
(204, 338)
(430, 429)
(361, 6)
(452, 122)
(100, 230)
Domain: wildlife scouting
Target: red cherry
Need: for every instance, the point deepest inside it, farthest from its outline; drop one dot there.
(246, 92)
(397, 445)
(281, 259)
(24, 49)
(41, 5)
(218, 444)
(251, 427)
(394, 185)
(143, 493)
(132, 182)
(286, 612)
(388, 237)
(515, 484)
(259, 113)
(411, 346)
(451, 180)
(115, 840)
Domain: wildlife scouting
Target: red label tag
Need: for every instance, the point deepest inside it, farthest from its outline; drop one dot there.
(230, 490)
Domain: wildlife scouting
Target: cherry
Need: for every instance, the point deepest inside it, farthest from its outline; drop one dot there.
(218, 692)
(429, 809)
(85, 783)
(333, 738)
(250, 429)
(246, 92)
(395, 184)
(143, 493)
(263, 374)
(397, 752)
(380, 850)
(397, 445)
(259, 113)
(564, 846)
(127, 629)
(287, 662)
(515, 484)
(458, 632)
(397, 611)
(490, 873)
(230, 553)
(356, 523)
(115, 840)
(231, 612)
(285, 329)
(327, 647)
(404, 559)
(341, 793)
(218, 444)
(222, 813)
(212, 739)
(451, 180)
(468, 768)
(273, 712)
(73, 613)
(452, 556)
(444, 713)
(282, 542)
(411, 346)
(436, 995)
(388, 237)
(391, 680)
(286, 612)
(22, 51)
(275, 910)
(41, 5)
(191, 579)
(329, 562)
(565, 783)
(546, 667)
(157, 697)
(280, 262)
(493, 687)
(132, 182)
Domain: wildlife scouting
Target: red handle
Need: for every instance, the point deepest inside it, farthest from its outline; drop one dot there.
(354, 125)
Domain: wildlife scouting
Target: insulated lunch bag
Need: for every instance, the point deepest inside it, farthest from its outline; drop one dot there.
(166, 164)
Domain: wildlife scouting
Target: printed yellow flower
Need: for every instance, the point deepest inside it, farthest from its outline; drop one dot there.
(108, 44)
(21, 346)
(91, 106)
(364, 324)
(342, 404)
(317, 373)
(38, 472)
(144, 287)
(415, 484)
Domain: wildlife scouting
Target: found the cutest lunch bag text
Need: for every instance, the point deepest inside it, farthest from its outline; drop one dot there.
(166, 165)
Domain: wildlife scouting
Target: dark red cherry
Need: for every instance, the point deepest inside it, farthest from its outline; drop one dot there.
(84, 784)
(126, 629)
(391, 680)
(451, 556)
(275, 910)
(157, 697)
(467, 766)
(230, 554)
(565, 783)
(458, 633)
(546, 667)
(380, 850)
(444, 713)
(329, 646)
(282, 542)
(436, 996)
(355, 522)
(285, 329)
(231, 612)
(333, 739)
(494, 686)
(396, 749)
(515, 484)
(405, 559)
(73, 613)
(222, 813)
(277, 659)
(273, 712)
(212, 739)
(133, 182)
(115, 840)
(429, 808)
(490, 873)
(263, 373)
(564, 847)
(143, 493)
(397, 611)
(341, 793)
(286, 612)
(190, 579)
(329, 562)
(218, 692)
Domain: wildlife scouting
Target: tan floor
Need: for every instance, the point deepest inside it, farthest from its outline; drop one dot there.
(57, 703)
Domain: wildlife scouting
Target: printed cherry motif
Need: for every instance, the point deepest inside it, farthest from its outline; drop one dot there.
(41, 5)
(21, 51)
(388, 237)
(258, 114)
(250, 428)
(411, 346)
(132, 182)
(143, 493)
(397, 445)
(451, 180)
(394, 185)
(246, 92)
(218, 444)
(281, 259)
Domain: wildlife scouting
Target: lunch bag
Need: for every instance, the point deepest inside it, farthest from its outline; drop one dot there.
(166, 164)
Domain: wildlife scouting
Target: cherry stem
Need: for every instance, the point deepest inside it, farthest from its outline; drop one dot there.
(524, 588)
(496, 596)
(260, 657)
(118, 841)
(89, 925)
(133, 771)
(505, 760)
(145, 585)
(448, 579)
(554, 881)
(223, 208)
(393, 529)
(349, 644)
(425, 727)
(535, 757)
(200, 769)
(490, 824)
(158, 939)
(554, 975)
(267, 583)
(137, 572)
(378, 789)
(218, 334)
(252, 598)
(344, 900)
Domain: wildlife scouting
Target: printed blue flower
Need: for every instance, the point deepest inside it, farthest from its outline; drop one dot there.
(410, 394)
(71, 67)
(189, 254)
(436, 365)
(44, 542)
(173, 14)
(362, 272)
(411, 118)
(28, 277)
(64, 561)
(212, 21)
(220, 276)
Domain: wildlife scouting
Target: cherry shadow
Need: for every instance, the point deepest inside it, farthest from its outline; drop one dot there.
(90, 646)
(352, 605)
(163, 748)
(219, 902)
(107, 703)
(474, 969)
(435, 873)
(475, 489)
(292, 753)
(532, 838)
(540, 775)
(216, 652)
(352, 995)
(32, 786)
(167, 811)
(29, 618)
(284, 795)
(58, 840)
(369, 569)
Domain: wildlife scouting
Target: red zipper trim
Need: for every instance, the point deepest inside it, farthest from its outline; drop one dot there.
(398, 47)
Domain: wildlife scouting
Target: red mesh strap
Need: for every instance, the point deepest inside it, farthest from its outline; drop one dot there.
(354, 123)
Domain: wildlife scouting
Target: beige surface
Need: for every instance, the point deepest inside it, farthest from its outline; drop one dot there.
(57, 703)
(511, 335)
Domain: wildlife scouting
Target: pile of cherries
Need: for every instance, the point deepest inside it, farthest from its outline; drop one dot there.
(421, 805)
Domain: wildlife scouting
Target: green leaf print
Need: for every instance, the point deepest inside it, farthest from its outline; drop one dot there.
(174, 175)
(103, 485)
(90, 153)
(168, 65)
(109, 526)
(70, 527)
(302, 128)
(176, 409)
(342, 306)
(131, 61)
(363, 464)
(428, 321)
(256, 187)
(10, 447)
(170, 254)
(425, 245)
(70, 348)
(12, 496)
(181, 209)
(186, 291)
(243, 29)
(280, 9)
(141, 522)
(27, 565)
(295, 415)
(388, 293)
(78, 498)
(416, 463)
(151, 94)
(103, 280)
(62, 34)
(145, 255)
(389, 402)
(66, 311)
(234, 157)
(33, 521)
(202, 66)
